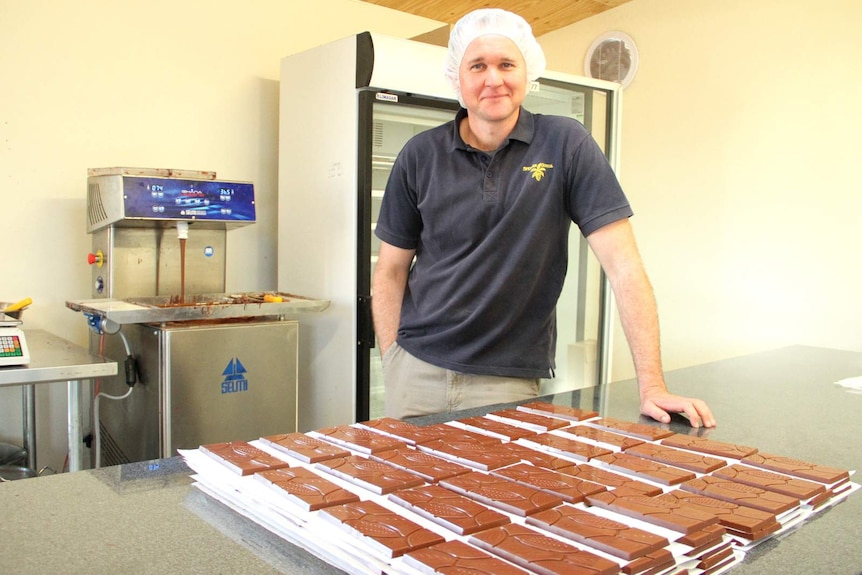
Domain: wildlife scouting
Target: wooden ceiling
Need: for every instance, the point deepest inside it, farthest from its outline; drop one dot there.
(543, 15)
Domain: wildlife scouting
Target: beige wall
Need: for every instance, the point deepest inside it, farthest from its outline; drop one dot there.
(166, 84)
(740, 153)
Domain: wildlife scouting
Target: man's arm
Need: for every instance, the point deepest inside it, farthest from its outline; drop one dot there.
(388, 285)
(616, 250)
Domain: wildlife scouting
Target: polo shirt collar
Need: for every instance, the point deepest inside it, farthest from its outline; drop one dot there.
(523, 131)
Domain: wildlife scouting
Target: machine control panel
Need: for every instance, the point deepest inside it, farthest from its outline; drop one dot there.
(13, 347)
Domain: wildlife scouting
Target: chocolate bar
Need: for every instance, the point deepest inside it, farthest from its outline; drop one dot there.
(304, 447)
(654, 562)
(740, 519)
(728, 490)
(620, 483)
(639, 430)
(476, 455)
(375, 476)
(567, 487)
(771, 481)
(305, 488)
(798, 468)
(710, 446)
(502, 493)
(646, 469)
(456, 512)
(554, 410)
(571, 447)
(540, 553)
(607, 535)
(406, 432)
(390, 533)
(702, 539)
(454, 434)
(242, 457)
(676, 516)
(454, 557)
(603, 436)
(530, 420)
(540, 458)
(696, 462)
(494, 427)
(359, 439)
(427, 466)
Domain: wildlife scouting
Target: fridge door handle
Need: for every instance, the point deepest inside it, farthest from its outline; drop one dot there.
(365, 327)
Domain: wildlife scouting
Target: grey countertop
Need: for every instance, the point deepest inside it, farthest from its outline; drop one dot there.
(146, 518)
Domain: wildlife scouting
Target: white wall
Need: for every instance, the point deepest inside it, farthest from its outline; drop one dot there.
(740, 154)
(165, 84)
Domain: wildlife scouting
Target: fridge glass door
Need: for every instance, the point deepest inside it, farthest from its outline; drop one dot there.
(579, 313)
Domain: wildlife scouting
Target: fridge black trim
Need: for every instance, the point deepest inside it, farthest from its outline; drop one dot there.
(364, 324)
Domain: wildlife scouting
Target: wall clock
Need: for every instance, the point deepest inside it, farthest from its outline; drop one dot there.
(613, 56)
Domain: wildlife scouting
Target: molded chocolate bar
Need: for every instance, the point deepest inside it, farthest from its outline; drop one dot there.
(531, 420)
(676, 516)
(242, 457)
(502, 493)
(375, 476)
(703, 445)
(728, 490)
(457, 558)
(646, 469)
(570, 488)
(571, 447)
(541, 458)
(476, 455)
(738, 518)
(454, 434)
(305, 488)
(600, 533)
(392, 534)
(554, 410)
(703, 539)
(425, 465)
(697, 462)
(653, 562)
(484, 424)
(304, 448)
(641, 430)
(402, 430)
(603, 436)
(456, 512)
(620, 483)
(798, 468)
(797, 488)
(360, 439)
(540, 553)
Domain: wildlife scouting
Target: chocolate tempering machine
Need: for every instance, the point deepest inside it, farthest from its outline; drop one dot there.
(201, 365)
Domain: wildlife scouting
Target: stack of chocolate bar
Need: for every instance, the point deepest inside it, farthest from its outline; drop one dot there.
(542, 489)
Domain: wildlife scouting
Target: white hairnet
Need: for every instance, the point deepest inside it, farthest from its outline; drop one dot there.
(492, 21)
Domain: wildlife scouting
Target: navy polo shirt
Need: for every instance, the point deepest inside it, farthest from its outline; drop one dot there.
(490, 230)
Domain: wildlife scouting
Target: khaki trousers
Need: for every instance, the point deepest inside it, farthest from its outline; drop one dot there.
(414, 387)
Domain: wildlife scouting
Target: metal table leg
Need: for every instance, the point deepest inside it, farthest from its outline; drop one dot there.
(76, 439)
(29, 418)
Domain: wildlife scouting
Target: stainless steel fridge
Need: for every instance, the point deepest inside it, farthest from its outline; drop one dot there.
(346, 109)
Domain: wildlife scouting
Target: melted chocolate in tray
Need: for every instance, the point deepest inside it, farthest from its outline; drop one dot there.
(612, 537)
(502, 493)
(242, 457)
(304, 447)
(376, 476)
(391, 534)
(456, 512)
(540, 553)
(458, 558)
(305, 488)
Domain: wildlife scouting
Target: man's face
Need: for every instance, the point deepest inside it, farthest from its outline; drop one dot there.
(493, 77)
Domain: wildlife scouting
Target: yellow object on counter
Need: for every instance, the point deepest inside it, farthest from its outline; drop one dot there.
(272, 298)
(17, 306)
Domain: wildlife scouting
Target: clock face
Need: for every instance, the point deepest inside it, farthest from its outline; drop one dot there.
(613, 57)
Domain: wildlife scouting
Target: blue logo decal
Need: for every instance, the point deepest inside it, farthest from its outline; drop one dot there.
(234, 379)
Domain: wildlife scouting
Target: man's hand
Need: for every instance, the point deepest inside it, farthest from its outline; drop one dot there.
(657, 403)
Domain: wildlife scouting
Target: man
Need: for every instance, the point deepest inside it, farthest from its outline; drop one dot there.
(484, 204)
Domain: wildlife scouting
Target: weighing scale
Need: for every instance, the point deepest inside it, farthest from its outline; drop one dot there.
(13, 344)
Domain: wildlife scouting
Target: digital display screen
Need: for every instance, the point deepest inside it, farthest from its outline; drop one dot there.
(168, 198)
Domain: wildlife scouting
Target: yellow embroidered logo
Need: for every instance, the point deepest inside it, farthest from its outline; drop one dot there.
(538, 170)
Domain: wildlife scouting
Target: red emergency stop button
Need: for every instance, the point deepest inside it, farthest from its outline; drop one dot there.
(97, 258)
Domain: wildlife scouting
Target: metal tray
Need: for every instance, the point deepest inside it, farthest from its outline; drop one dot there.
(162, 309)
